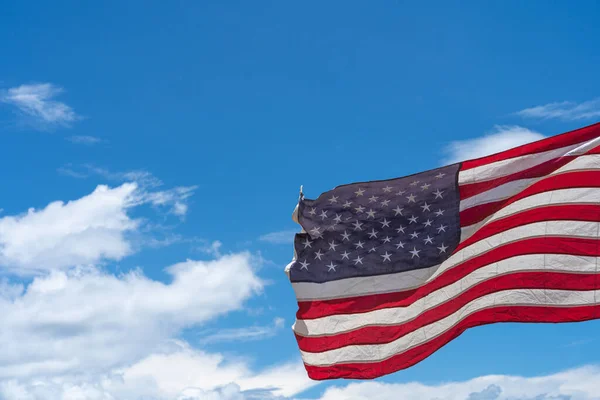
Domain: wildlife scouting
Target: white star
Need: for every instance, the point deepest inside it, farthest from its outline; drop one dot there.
(373, 234)
(331, 266)
(359, 209)
(414, 183)
(333, 245)
(345, 236)
(398, 211)
(318, 254)
(359, 244)
(307, 243)
(347, 204)
(370, 213)
(358, 260)
(312, 211)
(387, 189)
(304, 265)
(387, 239)
(400, 229)
(399, 244)
(386, 256)
(345, 255)
(385, 223)
(442, 248)
(323, 214)
(439, 212)
(316, 231)
(440, 175)
(438, 194)
(338, 218)
(373, 199)
(331, 227)
(411, 198)
(360, 192)
(372, 250)
(428, 240)
(425, 186)
(415, 252)
(385, 203)
(333, 199)
(426, 207)
(428, 222)
(442, 228)
(413, 219)
(400, 192)
(358, 226)
(414, 235)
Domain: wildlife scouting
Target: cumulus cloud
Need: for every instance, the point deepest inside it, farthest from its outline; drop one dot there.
(61, 235)
(565, 110)
(85, 319)
(502, 137)
(175, 373)
(36, 101)
(577, 384)
(280, 237)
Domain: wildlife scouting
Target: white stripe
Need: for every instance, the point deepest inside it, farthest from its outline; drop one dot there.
(585, 147)
(501, 192)
(553, 197)
(362, 286)
(350, 287)
(516, 297)
(589, 162)
(393, 316)
(502, 168)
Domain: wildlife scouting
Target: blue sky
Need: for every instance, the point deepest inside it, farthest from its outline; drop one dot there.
(200, 121)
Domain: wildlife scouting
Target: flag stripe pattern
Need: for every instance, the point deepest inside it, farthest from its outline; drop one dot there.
(387, 272)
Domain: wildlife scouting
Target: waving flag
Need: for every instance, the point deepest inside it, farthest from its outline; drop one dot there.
(387, 272)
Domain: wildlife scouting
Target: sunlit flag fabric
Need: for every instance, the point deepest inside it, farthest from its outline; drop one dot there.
(387, 272)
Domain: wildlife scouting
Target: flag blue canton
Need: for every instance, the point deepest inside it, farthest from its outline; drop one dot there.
(378, 227)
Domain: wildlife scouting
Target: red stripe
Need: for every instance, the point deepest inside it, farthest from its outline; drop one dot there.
(386, 334)
(551, 143)
(567, 180)
(559, 212)
(472, 189)
(538, 245)
(371, 370)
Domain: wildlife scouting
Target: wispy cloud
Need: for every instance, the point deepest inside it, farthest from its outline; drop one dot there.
(281, 237)
(36, 102)
(502, 137)
(245, 334)
(175, 199)
(85, 140)
(565, 110)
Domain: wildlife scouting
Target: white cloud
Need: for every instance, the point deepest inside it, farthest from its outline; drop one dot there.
(174, 199)
(83, 139)
(501, 138)
(37, 102)
(61, 235)
(281, 237)
(577, 384)
(178, 373)
(565, 110)
(89, 230)
(88, 320)
(244, 334)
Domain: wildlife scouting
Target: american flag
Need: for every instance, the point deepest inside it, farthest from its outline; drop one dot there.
(387, 272)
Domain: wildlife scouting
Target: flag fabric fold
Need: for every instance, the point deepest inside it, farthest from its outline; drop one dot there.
(387, 272)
